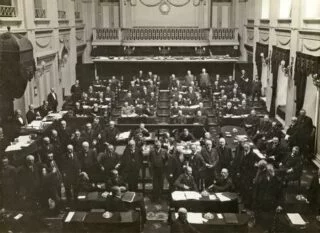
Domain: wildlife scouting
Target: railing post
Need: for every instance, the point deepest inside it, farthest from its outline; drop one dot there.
(119, 34)
(210, 34)
(94, 33)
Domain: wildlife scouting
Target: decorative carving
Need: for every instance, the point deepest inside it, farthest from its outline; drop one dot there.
(311, 46)
(178, 3)
(284, 42)
(164, 8)
(150, 3)
(43, 42)
(164, 5)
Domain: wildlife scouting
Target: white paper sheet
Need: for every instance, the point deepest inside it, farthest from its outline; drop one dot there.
(192, 195)
(296, 219)
(18, 216)
(222, 197)
(258, 153)
(212, 197)
(195, 218)
(82, 197)
(69, 217)
(178, 196)
(124, 135)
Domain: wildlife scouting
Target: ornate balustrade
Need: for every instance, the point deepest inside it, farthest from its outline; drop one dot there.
(165, 36)
(7, 11)
(40, 13)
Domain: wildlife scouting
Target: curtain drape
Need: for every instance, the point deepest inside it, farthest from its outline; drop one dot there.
(281, 98)
(260, 48)
(311, 97)
(305, 65)
(278, 54)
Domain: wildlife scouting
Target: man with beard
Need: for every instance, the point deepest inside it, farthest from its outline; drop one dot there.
(210, 160)
(225, 154)
(223, 183)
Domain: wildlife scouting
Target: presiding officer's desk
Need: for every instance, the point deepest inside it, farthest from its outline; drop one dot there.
(212, 203)
(95, 222)
(218, 225)
(95, 200)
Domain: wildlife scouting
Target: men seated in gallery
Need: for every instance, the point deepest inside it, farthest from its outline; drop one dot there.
(127, 109)
(180, 118)
(186, 136)
(229, 110)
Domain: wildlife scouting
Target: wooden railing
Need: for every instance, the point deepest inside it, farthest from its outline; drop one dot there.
(169, 34)
(62, 14)
(40, 13)
(7, 11)
(205, 36)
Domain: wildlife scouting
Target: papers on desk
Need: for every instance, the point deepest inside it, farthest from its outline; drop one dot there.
(128, 197)
(212, 197)
(123, 135)
(194, 218)
(258, 153)
(222, 197)
(185, 195)
(194, 106)
(38, 124)
(242, 137)
(236, 116)
(130, 115)
(54, 116)
(80, 197)
(296, 219)
(18, 216)
(22, 141)
(69, 217)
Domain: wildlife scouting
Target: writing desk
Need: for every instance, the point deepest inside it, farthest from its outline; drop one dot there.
(95, 222)
(220, 225)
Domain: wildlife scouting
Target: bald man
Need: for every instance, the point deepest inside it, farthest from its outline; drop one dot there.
(130, 165)
(185, 181)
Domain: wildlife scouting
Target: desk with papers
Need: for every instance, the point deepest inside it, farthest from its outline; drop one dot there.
(216, 222)
(100, 221)
(215, 202)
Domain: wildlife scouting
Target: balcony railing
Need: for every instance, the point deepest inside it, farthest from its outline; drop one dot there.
(7, 11)
(168, 34)
(223, 34)
(107, 34)
(40, 13)
(62, 14)
(77, 14)
(155, 36)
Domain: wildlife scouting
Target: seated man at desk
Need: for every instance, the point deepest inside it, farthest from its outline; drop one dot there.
(199, 118)
(151, 99)
(181, 101)
(91, 94)
(202, 109)
(116, 180)
(127, 109)
(186, 182)
(180, 118)
(229, 110)
(175, 109)
(114, 202)
(181, 224)
(223, 102)
(186, 136)
(142, 130)
(291, 167)
(234, 95)
(251, 123)
(275, 152)
(129, 99)
(223, 183)
(243, 109)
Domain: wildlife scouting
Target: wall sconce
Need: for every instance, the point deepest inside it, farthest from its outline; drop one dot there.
(200, 51)
(128, 50)
(264, 60)
(164, 50)
(287, 70)
(316, 80)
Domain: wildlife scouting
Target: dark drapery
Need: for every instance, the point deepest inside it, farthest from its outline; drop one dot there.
(305, 65)
(260, 48)
(278, 54)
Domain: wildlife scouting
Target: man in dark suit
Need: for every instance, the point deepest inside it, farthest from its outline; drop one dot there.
(31, 114)
(114, 202)
(175, 109)
(52, 100)
(251, 123)
(180, 118)
(292, 133)
(181, 224)
(275, 151)
(243, 171)
(76, 91)
(223, 183)
(158, 158)
(196, 162)
(314, 193)
(210, 159)
(243, 109)
(8, 176)
(291, 166)
(225, 155)
(305, 127)
(130, 165)
(88, 134)
(142, 130)
(256, 88)
(111, 133)
(70, 169)
(64, 133)
(44, 108)
(229, 110)
(108, 160)
(18, 122)
(199, 118)
(29, 183)
(76, 140)
(185, 181)
(186, 136)
(88, 160)
(116, 180)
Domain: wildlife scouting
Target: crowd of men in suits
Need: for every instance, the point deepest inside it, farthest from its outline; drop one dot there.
(73, 160)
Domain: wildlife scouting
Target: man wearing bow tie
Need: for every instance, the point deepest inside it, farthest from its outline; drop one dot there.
(52, 100)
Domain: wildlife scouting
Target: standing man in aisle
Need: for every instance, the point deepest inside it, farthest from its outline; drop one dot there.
(52, 100)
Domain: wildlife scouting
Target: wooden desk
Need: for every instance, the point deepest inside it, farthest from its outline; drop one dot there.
(95, 222)
(204, 204)
(220, 225)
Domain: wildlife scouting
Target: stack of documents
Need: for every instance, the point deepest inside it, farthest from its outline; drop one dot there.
(222, 197)
(296, 219)
(185, 195)
(124, 135)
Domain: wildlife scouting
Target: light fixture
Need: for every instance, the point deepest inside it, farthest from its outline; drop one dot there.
(200, 51)
(129, 50)
(164, 50)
